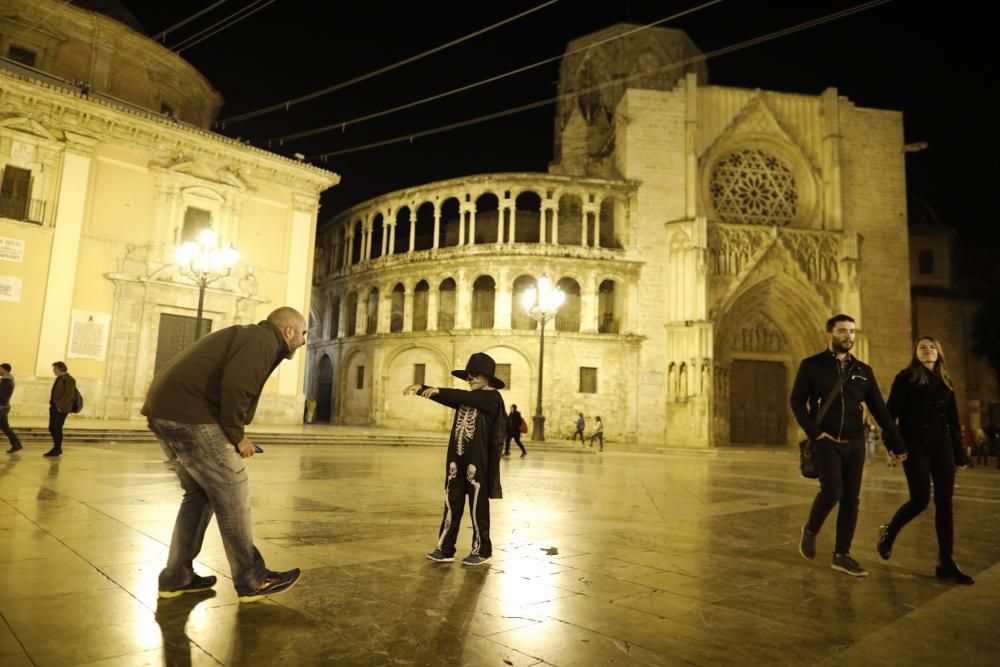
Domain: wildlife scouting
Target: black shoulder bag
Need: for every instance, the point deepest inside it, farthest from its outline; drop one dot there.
(807, 466)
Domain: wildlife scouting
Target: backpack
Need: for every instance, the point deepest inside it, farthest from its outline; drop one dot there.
(77, 402)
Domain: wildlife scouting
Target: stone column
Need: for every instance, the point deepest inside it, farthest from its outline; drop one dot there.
(408, 308)
(463, 301)
(555, 225)
(382, 325)
(432, 307)
(71, 204)
(437, 226)
(472, 224)
(512, 219)
(588, 303)
(502, 300)
(413, 230)
(392, 233)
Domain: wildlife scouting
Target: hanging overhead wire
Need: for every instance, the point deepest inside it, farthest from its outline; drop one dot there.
(162, 57)
(343, 125)
(540, 103)
(221, 25)
(344, 84)
(162, 35)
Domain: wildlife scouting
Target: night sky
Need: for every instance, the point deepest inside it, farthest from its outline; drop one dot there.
(928, 60)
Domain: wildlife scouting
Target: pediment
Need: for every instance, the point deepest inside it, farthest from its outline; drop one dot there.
(205, 173)
(26, 125)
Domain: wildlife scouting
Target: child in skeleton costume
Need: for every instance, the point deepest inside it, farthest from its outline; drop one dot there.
(473, 463)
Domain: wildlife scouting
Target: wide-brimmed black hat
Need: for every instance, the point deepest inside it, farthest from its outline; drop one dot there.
(481, 364)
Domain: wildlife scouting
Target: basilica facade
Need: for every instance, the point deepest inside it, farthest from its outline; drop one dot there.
(702, 236)
(108, 166)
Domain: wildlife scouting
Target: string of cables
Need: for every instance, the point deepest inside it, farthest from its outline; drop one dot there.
(342, 125)
(406, 61)
(200, 36)
(410, 137)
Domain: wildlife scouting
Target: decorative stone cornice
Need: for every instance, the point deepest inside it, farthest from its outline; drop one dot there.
(57, 106)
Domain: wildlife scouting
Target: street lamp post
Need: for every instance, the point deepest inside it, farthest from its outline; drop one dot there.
(205, 262)
(542, 305)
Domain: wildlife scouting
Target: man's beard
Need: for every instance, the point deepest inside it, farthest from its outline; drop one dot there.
(841, 347)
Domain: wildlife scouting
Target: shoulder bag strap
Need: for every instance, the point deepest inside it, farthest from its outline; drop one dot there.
(837, 388)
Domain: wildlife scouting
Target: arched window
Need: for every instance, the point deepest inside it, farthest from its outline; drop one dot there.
(352, 315)
(420, 293)
(446, 305)
(607, 308)
(570, 220)
(378, 231)
(610, 237)
(396, 314)
(487, 216)
(449, 223)
(527, 217)
(519, 317)
(372, 311)
(359, 237)
(483, 294)
(425, 227)
(402, 244)
(568, 316)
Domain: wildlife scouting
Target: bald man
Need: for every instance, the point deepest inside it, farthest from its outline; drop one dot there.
(198, 406)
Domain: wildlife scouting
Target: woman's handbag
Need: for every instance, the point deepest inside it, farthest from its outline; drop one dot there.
(807, 464)
(524, 426)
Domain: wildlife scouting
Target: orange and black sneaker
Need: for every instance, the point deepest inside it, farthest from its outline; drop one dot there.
(274, 583)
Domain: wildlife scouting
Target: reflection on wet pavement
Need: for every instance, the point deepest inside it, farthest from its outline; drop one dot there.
(685, 558)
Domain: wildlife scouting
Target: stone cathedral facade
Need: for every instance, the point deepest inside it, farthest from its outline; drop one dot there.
(702, 235)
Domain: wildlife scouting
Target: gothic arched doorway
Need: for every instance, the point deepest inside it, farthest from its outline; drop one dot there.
(324, 391)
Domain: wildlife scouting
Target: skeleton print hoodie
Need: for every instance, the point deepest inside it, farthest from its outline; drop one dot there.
(476, 434)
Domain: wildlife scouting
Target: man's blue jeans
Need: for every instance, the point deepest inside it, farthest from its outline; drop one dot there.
(214, 479)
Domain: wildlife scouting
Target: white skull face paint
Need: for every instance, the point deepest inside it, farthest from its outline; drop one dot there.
(471, 473)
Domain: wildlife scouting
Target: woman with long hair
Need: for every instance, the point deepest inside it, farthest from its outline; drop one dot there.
(922, 399)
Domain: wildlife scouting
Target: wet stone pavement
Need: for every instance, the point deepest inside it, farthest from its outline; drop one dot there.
(620, 559)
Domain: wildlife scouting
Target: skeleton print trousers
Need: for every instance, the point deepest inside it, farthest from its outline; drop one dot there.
(465, 481)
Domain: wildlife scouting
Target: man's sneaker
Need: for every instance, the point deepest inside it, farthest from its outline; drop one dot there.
(14, 448)
(439, 556)
(807, 544)
(197, 584)
(884, 544)
(53, 453)
(844, 563)
(274, 583)
(474, 560)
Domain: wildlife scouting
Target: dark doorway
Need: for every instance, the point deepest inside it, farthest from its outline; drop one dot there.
(176, 333)
(324, 392)
(758, 403)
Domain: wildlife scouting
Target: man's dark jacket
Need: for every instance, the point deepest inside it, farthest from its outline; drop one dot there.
(6, 391)
(927, 414)
(845, 419)
(218, 379)
(63, 392)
